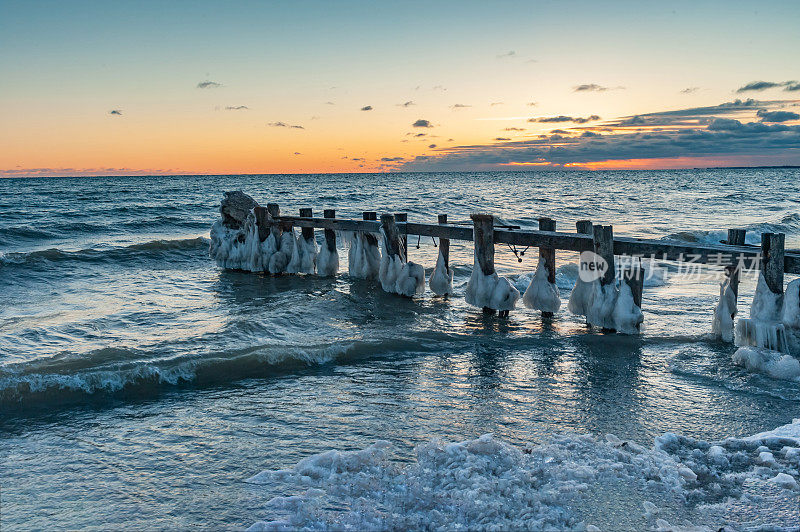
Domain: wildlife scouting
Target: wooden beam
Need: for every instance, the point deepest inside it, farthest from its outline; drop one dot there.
(307, 232)
(370, 238)
(484, 242)
(275, 212)
(735, 238)
(391, 235)
(604, 248)
(402, 218)
(263, 221)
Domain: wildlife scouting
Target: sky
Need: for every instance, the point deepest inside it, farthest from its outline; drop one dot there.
(106, 88)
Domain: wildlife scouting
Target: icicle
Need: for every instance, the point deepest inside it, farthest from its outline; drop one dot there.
(764, 327)
(580, 297)
(327, 262)
(627, 315)
(304, 256)
(722, 326)
(240, 249)
(541, 293)
(490, 291)
(441, 281)
(398, 276)
(601, 303)
(364, 257)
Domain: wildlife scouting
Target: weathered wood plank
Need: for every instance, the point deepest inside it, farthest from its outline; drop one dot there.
(604, 248)
(548, 254)
(660, 249)
(307, 232)
(772, 260)
(371, 239)
(392, 239)
(484, 242)
(401, 218)
(736, 237)
(330, 234)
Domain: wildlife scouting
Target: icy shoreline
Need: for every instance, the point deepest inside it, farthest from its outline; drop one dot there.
(488, 484)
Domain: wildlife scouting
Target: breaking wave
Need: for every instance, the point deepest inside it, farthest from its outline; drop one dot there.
(789, 224)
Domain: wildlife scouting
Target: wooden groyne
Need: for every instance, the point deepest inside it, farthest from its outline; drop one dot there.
(770, 259)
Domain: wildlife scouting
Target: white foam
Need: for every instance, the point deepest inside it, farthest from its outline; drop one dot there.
(724, 312)
(569, 482)
(775, 364)
(541, 294)
(441, 280)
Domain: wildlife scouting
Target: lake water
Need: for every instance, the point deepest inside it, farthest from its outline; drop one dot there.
(143, 387)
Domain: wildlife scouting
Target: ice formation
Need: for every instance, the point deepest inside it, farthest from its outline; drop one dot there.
(304, 256)
(487, 484)
(327, 261)
(764, 327)
(241, 249)
(364, 257)
(279, 260)
(791, 316)
(441, 281)
(600, 303)
(490, 291)
(541, 293)
(722, 326)
(775, 364)
(579, 297)
(398, 276)
(627, 315)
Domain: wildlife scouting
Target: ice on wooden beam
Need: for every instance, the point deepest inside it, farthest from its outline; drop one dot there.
(304, 254)
(542, 294)
(485, 288)
(441, 281)
(364, 258)
(240, 248)
(398, 276)
(627, 314)
(328, 256)
(724, 312)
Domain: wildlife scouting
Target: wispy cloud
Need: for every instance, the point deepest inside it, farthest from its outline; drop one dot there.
(594, 87)
(459, 106)
(532, 104)
(367, 108)
(431, 146)
(690, 90)
(392, 159)
(208, 85)
(501, 138)
(514, 129)
(562, 118)
(494, 104)
(508, 55)
(236, 108)
(115, 112)
(422, 123)
(284, 124)
(406, 104)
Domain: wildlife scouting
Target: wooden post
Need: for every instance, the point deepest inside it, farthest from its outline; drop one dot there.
(369, 237)
(484, 248)
(391, 234)
(330, 234)
(584, 227)
(274, 212)
(772, 260)
(633, 276)
(263, 221)
(403, 217)
(604, 248)
(444, 243)
(307, 232)
(735, 238)
(549, 255)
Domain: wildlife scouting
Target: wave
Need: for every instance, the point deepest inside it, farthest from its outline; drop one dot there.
(151, 248)
(788, 224)
(570, 482)
(71, 376)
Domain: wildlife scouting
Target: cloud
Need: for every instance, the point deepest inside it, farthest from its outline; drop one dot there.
(562, 118)
(590, 87)
(236, 108)
(514, 129)
(406, 104)
(559, 132)
(419, 134)
(509, 54)
(502, 138)
(209, 85)
(459, 106)
(284, 124)
(532, 104)
(493, 104)
(392, 159)
(422, 123)
(367, 108)
(431, 146)
(298, 153)
(719, 139)
(776, 116)
(116, 112)
(758, 86)
(792, 86)
(690, 90)
(329, 103)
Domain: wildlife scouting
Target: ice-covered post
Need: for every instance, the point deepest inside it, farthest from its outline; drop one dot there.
(330, 234)
(603, 236)
(274, 211)
(307, 232)
(391, 234)
(403, 217)
(579, 296)
(735, 238)
(772, 261)
(548, 255)
(444, 243)
(484, 248)
(584, 227)
(633, 276)
(263, 221)
(371, 239)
